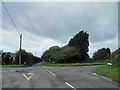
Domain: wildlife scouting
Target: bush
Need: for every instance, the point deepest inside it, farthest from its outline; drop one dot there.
(102, 54)
(116, 60)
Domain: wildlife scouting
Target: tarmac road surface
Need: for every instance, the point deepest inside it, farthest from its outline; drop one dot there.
(54, 77)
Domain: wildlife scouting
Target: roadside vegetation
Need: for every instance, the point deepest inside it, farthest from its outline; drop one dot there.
(76, 51)
(90, 63)
(16, 65)
(71, 64)
(111, 72)
(12, 59)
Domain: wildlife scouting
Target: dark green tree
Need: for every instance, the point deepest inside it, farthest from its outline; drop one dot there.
(81, 42)
(115, 58)
(102, 54)
(54, 54)
(27, 57)
(7, 58)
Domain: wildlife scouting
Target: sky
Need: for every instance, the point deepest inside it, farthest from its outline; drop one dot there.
(46, 24)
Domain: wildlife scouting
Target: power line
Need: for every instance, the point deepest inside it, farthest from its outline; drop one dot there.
(9, 16)
(15, 28)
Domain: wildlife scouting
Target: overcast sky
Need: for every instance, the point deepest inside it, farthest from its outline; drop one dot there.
(45, 24)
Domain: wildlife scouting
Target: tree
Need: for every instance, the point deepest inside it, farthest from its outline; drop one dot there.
(81, 42)
(115, 58)
(7, 58)
(27, 57)
(54, 54)
(75, 51)
(71, 54)
(102, 54)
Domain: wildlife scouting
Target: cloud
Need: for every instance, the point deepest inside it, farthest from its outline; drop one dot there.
(45, 24)
(112, 44)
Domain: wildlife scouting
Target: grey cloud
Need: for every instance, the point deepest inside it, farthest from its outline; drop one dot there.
(60, 21)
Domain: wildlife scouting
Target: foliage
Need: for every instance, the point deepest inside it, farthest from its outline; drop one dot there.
(71, 64)
(115, 58)
(108, 72)
(14, 65)
(81, 42)
(72, 55)
(27, 58)
(53, 55)
(7, 58)
(102, 54)
(75, 51)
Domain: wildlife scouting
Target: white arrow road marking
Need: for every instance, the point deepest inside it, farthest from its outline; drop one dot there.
(28, 75)
(70, 86)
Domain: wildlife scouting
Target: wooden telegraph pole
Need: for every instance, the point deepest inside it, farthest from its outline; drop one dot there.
(20, 48)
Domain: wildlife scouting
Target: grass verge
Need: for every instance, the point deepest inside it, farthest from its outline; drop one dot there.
(71, 64)
(14, 66)
(108, 72)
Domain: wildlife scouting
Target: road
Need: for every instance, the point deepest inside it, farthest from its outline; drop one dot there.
(54, 77)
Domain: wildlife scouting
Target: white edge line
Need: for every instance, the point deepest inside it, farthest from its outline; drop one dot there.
(52, 73)
(70, 86)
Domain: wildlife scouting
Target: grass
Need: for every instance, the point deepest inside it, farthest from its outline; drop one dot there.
(14, 66)
(72, 64)
(108, 72)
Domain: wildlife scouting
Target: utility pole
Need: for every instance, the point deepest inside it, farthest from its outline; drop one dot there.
(20, 48)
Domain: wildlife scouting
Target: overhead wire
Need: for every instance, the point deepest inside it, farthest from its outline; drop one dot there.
(10, 16)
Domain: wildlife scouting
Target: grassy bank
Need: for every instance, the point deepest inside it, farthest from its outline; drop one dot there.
(72, 64)
(108, 72)
(14, 66)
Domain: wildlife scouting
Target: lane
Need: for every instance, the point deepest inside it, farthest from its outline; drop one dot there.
(70, 85)
(81, 77)
(41, 78)
(54, 77)
(51, 73)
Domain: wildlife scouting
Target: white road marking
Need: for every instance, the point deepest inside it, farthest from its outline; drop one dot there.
(28, 77)
(51, 73)
(70, 86)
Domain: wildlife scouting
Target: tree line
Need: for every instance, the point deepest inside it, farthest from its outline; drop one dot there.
(27, 58)
(76, 51)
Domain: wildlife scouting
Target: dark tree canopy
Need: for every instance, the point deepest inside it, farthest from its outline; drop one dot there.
(27, 57)
(102, 54)
(53, 55)
(7, 58)
(81, 42)
(75, 51)
(115, 57)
